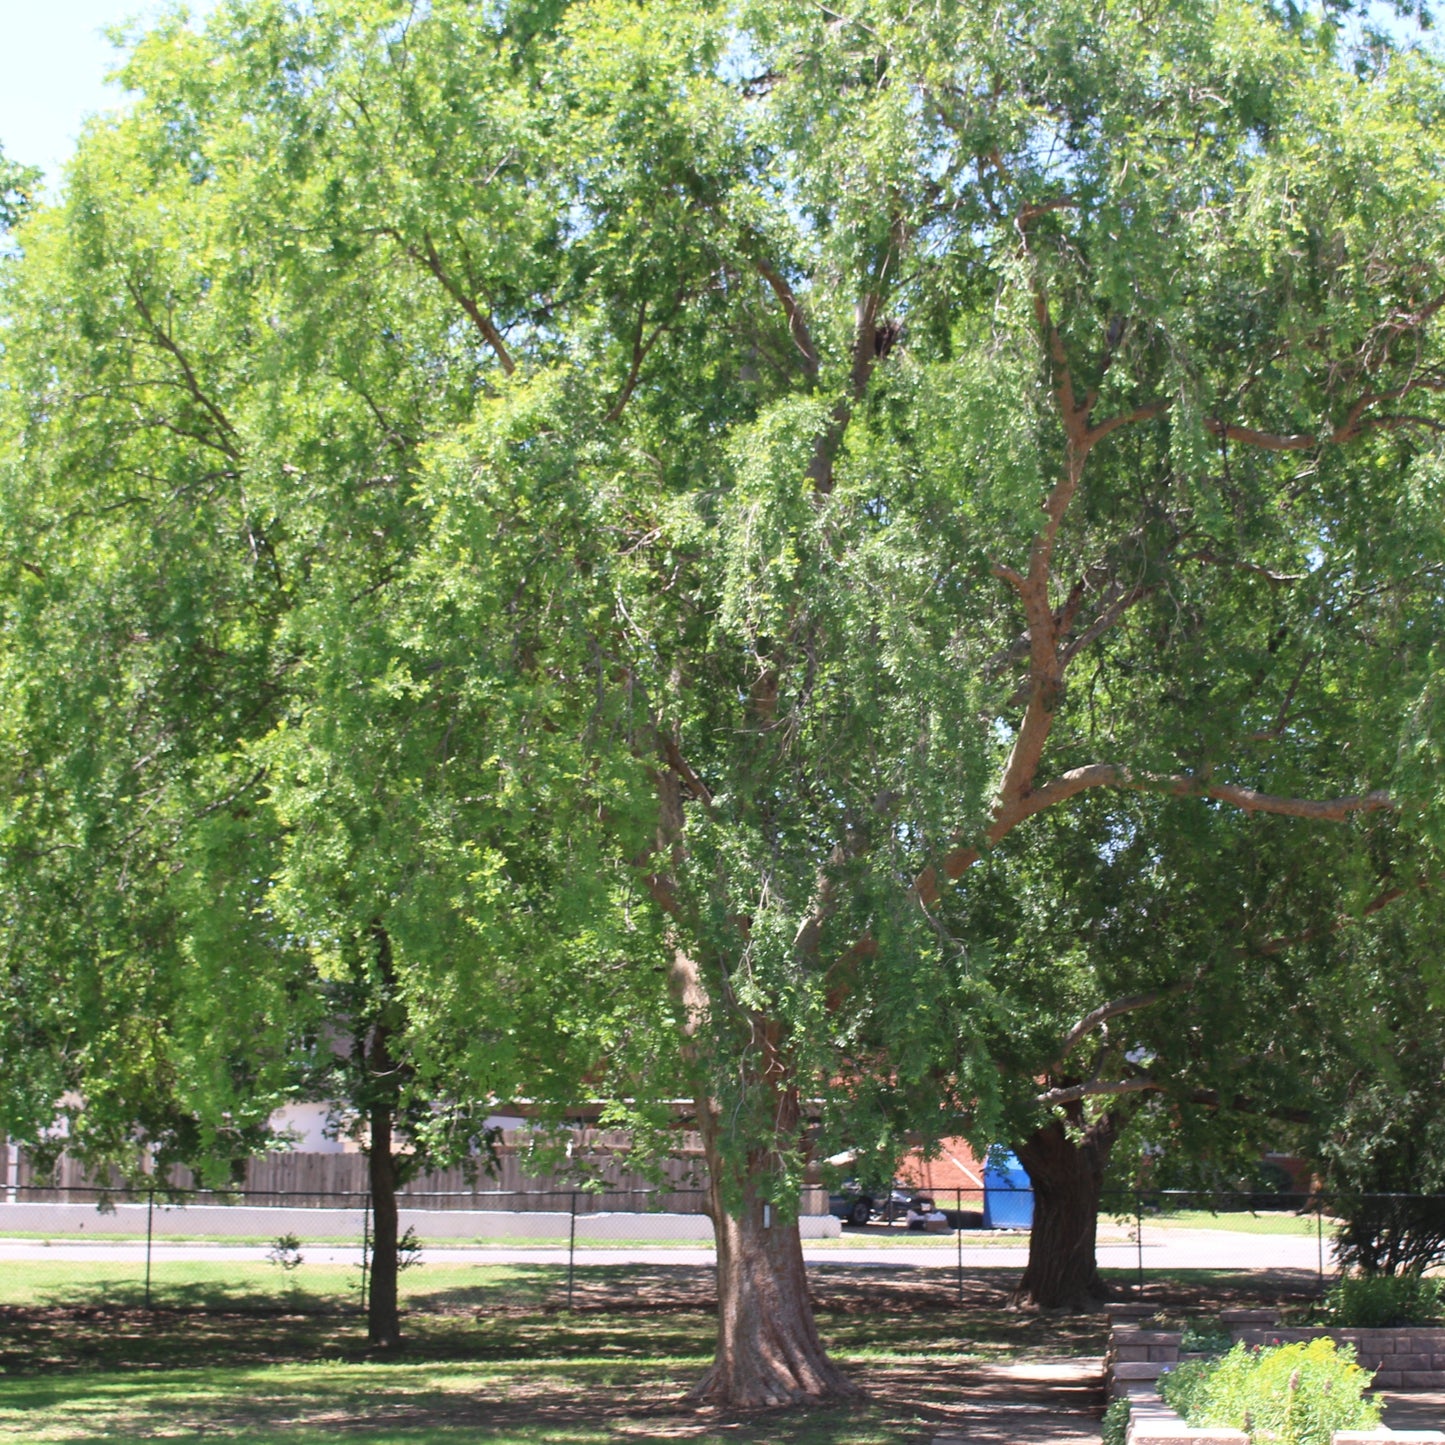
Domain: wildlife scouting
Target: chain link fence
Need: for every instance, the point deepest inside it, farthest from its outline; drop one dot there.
(484, 1250)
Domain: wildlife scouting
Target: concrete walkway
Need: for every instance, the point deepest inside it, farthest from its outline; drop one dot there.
(1414, 1409)
(1054, 1402)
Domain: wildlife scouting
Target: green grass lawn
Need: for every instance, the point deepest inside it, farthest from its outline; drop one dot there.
(515, 1374)
(310, 1288)
(499, 1361)
(1268, 1222)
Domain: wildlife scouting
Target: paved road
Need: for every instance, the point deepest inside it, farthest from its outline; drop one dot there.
(1171, 1249)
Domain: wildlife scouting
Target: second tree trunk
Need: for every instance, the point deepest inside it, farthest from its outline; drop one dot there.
(1066, 1169)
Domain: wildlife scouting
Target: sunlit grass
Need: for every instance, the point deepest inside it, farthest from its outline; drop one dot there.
(1239, 1222)
(518, 1367)
(586, 1378)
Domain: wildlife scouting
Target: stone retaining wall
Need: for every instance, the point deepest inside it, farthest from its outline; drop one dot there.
(1402, 1359)
(1407, 1358)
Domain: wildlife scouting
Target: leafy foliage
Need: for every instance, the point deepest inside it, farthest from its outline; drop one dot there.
(1116, 1422)
(18, 187)
(629, 503)
(1372, 1301)
(1298, 1394)
(1382, 1148)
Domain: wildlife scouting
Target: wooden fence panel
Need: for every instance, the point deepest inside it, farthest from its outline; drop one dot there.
(598, 1176)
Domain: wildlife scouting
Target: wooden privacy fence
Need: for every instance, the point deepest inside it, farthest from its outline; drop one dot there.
(307, 1179)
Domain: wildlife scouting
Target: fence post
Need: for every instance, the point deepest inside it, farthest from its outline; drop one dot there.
(1320, 1239)
(958, 1230)
(365, 1249)
(150, 1235)
(1139, 1235)
(572, 1250)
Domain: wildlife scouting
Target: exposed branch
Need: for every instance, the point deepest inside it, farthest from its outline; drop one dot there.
(1383, 900)
(1276, 579)
(1269, 441)
(1012, 576)
(797, 321)
(166, 341)
(1011, 812)
(1035, 209)
(1106, 619)
(1400, 422)
(640, 347)
(433, 262)
(1185, 785)
(1096, 1087)
(683, 769)
(1128, 418)
(872, 340)
(1102, 1015)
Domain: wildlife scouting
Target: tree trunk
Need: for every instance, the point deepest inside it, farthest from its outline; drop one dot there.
(383, 1319)
(768, 1350)
(1067, 1173)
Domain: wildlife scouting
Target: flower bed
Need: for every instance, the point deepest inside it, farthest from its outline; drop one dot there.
(1139, 1356)
(1296, 1394)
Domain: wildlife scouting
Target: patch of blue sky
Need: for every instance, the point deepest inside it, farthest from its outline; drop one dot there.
(60, 58)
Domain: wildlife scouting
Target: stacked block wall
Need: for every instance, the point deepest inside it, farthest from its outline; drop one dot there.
(1407, 1358)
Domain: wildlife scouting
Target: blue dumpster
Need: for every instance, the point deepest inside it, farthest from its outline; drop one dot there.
(1008, 1194)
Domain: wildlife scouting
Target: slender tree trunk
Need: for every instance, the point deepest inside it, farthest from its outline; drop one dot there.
(383, 1319)
(768, 1350)
(1067, 1173)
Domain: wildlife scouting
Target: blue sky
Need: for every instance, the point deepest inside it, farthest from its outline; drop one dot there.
(56, 59)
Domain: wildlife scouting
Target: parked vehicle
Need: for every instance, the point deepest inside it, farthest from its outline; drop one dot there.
(855, 1205)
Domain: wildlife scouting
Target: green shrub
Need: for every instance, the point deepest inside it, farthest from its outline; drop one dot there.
(1208, 1337)
(1182, 1388)
(1373, 1301)
(1116, 1422)
(1298, 1394)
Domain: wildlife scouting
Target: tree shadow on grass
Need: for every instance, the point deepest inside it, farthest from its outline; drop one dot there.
(559, 1403)
(615, 1367)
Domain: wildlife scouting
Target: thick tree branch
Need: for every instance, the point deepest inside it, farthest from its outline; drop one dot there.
(1185, 785)
(1129, 418)
(1268, 441)
(1011, 813)
(1106, 619)
(640, 347)
(683, 769)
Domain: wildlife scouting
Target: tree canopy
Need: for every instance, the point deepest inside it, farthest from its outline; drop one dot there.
(633, 502)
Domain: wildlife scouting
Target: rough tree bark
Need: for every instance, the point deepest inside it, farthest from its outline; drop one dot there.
(768, 1350)
(1067, 1172)
(383, 1318)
